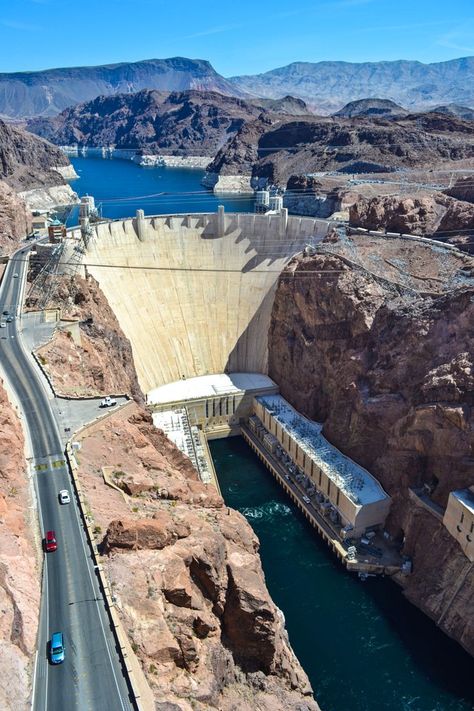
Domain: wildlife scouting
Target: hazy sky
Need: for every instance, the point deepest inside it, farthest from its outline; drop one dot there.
(236, 37)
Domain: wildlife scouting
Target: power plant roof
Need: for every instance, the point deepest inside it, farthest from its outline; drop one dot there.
(355, 481)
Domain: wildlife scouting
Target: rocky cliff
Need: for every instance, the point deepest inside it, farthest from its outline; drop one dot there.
(27, 161)
(19, 565)
(274, 149)
(434, 215)
(15, 219)
(186, 576)
(99, 359)
(374, 338)
(33, 167)
(189, 123)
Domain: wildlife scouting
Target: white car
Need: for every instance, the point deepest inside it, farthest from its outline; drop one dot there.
(3, 324)
(306, 500)
(108, 402)
(64, 497)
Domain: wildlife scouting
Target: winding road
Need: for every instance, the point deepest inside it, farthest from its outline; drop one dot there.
(91, 677)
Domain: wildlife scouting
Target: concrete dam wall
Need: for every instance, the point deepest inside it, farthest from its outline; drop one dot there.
(194, 293)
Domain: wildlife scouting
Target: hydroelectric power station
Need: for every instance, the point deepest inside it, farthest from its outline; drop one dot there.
(194, 295)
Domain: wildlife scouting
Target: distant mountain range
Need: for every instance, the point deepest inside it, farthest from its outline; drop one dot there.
(325, 86)
(47, 93)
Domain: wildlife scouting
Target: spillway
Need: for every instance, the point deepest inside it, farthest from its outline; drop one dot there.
(194, 293)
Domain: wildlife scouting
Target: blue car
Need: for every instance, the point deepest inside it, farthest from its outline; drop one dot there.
(57, 648)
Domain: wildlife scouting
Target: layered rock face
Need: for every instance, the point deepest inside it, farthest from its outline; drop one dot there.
(101, 360)
(374, 337)
(435, 215)
(15, 219)
(186, 576)
(27, 161)
(153, 122)
(19, 569)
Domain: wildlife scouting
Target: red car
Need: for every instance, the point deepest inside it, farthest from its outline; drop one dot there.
(50, 542)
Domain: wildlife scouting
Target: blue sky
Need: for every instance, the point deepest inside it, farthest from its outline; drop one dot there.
(236, 37)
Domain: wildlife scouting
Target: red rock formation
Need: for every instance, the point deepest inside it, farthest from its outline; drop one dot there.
(434, 215)
(85, 368)
(376, 340)
(19, 571)
(187, 577)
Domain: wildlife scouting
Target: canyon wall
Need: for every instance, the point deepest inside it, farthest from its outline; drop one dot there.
(19, 565)
(373, 337)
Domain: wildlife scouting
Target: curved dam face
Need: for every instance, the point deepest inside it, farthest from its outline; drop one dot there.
(194, 293)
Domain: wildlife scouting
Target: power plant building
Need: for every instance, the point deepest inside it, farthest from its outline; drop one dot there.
(351, 494)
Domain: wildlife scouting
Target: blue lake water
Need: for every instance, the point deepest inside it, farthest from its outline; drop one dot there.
(363, 646)
(122, 187)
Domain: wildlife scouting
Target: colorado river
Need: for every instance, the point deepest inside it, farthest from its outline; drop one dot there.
(364, 647)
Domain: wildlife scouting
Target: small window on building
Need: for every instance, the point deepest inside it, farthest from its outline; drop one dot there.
(472, 527)
(320, 477)
(337, 497)
(329, 486)
(220, 407)
(213, 408)
(462, 518)
(207, 409)
(233, 404)
(312, 467)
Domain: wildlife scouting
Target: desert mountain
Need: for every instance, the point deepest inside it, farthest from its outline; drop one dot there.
(277, 150)
(463, 112)
(372, 107)
(189, 122)
(27, 161)
(327, 86)
(47, 93)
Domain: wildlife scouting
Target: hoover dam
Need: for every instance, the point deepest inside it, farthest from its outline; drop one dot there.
(194, 293)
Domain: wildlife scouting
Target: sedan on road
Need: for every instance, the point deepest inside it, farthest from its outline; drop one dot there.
(64, 497)
(15, 276)
(57, 648)
(50, 542)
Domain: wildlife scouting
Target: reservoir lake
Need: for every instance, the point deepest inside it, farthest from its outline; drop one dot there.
(363, 646)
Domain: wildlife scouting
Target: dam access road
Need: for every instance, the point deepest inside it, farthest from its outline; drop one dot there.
(91, 677)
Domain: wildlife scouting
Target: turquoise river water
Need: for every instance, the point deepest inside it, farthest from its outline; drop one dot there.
(363, 646)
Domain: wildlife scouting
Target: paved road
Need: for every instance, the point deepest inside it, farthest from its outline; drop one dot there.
(91, 678)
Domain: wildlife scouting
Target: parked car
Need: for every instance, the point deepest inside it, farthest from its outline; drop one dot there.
(56, 650)
(3, 324)
(64, 497)
(10, 319)
(6, 312)
(50, 542)
(108, 402)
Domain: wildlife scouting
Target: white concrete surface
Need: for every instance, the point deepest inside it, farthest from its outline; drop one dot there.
(193, 298)
(207, 386)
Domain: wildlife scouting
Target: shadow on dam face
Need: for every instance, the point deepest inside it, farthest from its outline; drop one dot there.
(193, 302)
